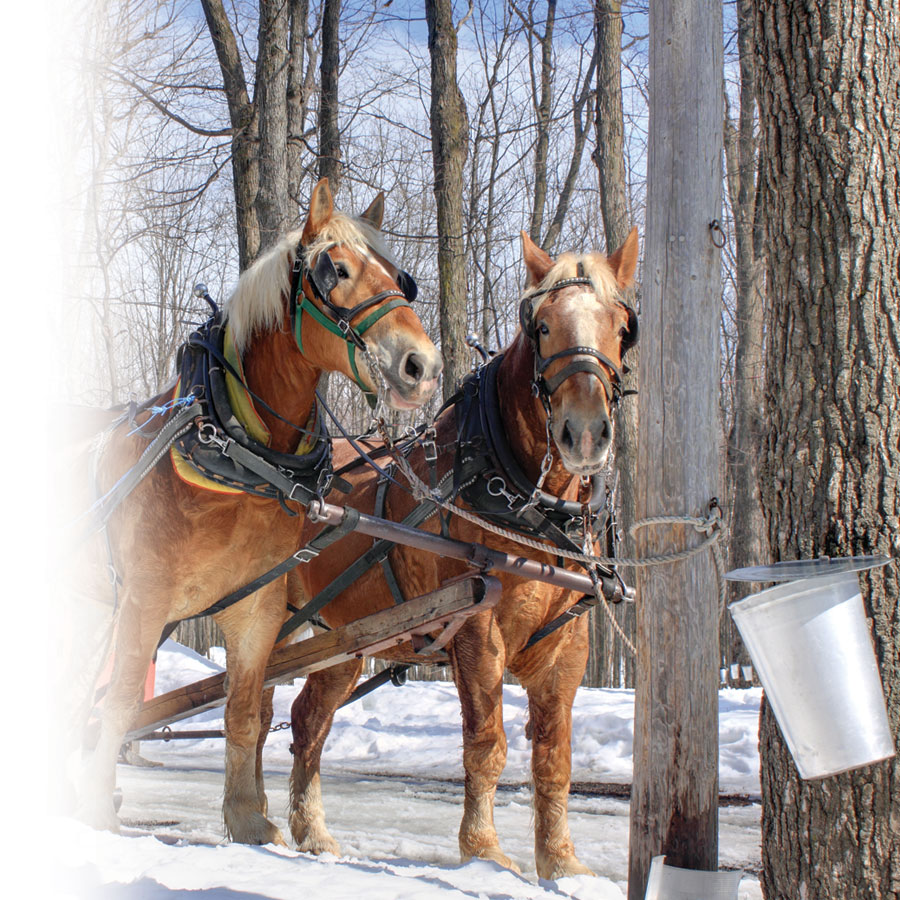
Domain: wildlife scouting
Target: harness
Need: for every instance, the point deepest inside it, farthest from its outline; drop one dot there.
(258, 470)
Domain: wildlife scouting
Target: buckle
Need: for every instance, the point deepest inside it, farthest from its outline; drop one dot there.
(305, 554)
(429, 445)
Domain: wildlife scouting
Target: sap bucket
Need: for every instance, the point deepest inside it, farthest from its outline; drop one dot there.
(810, 644)
(670, 883)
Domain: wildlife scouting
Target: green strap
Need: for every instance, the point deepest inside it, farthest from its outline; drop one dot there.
(329, 325)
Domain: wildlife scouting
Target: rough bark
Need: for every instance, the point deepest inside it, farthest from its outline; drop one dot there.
(449, 141)
(609, 157)
(329, 135)
(244, 167)
(748, 544)
(542, 95)
(299, 90)
(272, 204)
(675, 789)
(828, 90)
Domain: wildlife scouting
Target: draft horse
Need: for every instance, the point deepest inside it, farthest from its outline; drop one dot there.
(544, 404)
(177, 547)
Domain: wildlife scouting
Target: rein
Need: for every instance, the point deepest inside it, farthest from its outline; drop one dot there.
(323, 279)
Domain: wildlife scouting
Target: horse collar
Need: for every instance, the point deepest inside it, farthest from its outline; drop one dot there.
(489, 477)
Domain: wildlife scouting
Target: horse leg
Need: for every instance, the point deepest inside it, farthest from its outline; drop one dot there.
(478, 657)
(551, 693)
(137, 633)
(266, 713)
(311, 716)
(249, 637)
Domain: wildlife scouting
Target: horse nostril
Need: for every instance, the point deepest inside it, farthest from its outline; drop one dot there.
(605, 431)
(413, 368)
(566, 436)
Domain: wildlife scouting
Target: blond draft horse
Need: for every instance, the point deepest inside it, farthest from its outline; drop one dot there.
(572, 316)
(178, 548)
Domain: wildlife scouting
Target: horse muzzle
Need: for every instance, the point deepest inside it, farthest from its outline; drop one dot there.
(583, 442)
(411, 376)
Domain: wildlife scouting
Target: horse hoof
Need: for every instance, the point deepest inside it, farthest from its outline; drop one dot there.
(313, 840)
(100, 817)
(256, 829)
(562, 867)
(495, 854)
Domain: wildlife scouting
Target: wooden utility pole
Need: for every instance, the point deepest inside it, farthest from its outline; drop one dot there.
(675, 790)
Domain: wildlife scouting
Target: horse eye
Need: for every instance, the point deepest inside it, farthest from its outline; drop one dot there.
(543, 329)
(341, 270)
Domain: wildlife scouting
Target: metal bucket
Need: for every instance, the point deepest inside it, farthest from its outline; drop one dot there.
(810, 644)
(670, 883)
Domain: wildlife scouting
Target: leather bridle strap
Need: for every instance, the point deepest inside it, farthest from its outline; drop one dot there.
(337, 319)
(613, 391)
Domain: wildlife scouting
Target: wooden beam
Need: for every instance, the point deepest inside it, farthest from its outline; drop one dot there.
(444, 608)
(679, 464)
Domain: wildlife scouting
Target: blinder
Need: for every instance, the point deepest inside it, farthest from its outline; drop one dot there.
(630, 338)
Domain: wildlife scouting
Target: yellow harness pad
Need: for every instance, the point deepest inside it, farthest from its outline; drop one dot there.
(245, 412)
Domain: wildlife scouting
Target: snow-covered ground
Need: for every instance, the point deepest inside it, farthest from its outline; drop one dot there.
(391, 773)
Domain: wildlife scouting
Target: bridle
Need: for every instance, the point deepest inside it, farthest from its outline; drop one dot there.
(323, 279)
(588, 357)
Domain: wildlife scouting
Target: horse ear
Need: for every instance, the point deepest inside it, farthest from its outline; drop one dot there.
(321, 208)
(537, 261)
(375, 213)
(624, 261)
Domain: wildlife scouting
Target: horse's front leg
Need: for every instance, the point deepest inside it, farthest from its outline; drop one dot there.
(138, 628)
(551, 692)
(266, 714)
(311, 716)
(478, 656)
(250, 630)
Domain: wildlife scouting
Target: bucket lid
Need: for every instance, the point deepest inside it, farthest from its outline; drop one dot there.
(807, 568)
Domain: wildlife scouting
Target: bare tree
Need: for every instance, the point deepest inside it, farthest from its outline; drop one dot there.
(747, 540)
(329, 134)
(831, 460)
(449, 138)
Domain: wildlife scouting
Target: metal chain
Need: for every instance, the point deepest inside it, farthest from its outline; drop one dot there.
(279, 727)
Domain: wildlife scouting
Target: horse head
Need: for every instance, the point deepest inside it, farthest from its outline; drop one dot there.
(579, 327)
(360, 297)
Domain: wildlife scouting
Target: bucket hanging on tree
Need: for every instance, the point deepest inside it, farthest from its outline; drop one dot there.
(809, 641)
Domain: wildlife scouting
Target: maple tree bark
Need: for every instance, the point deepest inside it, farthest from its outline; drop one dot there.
(449, 141)
(828, 84)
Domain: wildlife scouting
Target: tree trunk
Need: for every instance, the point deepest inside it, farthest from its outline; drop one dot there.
(828, 82)
(542, 96)
(244, 164)
(272, 204)
(449, 137)
(674, 800)
(329, 136)
(609, 157)
(748, 544)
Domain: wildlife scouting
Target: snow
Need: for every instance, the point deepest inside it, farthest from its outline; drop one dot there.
(392, 772)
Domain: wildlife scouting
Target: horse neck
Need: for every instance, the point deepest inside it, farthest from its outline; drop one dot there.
(277, 372)
(523, 418)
